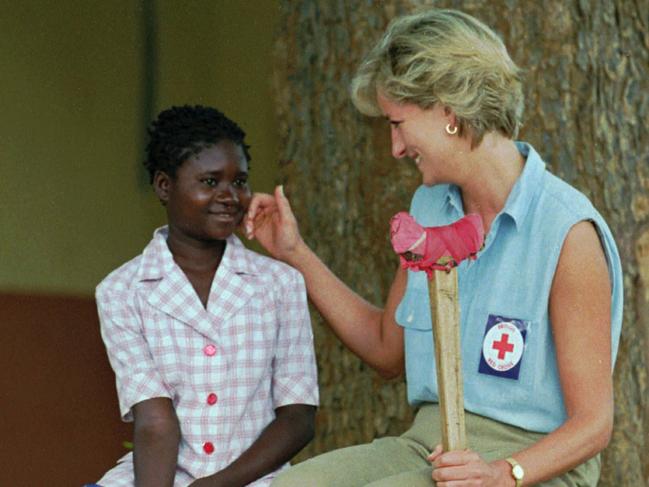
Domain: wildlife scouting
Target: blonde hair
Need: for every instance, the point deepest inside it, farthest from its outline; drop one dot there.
(445, 57)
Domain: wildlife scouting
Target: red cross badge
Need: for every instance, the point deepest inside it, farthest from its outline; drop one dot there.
(503, 346)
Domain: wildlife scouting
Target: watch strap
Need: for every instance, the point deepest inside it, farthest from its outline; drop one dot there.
(517, 471)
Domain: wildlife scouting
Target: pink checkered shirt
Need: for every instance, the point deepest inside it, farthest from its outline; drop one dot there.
(225, 368)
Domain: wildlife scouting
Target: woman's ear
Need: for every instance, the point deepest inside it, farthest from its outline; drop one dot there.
(450, 115)
(161, 185)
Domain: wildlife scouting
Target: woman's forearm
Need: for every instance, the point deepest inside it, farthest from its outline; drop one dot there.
(577, 440)
(368, 331)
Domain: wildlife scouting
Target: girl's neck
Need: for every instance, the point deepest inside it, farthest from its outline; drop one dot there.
(195, 256)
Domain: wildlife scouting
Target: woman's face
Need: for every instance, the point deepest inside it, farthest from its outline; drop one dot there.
(421, 135)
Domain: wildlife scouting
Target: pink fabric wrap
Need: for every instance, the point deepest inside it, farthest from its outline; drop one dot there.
(458, 241)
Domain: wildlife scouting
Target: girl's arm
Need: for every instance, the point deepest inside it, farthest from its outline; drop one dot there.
(580, 311)
(368, 331)
(156, 435)
(290, 431)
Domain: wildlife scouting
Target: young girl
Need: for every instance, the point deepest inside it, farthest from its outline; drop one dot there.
(211, 343)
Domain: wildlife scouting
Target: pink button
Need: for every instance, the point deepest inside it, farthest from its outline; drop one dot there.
(211, 399)
(208, 447)
(209, 350)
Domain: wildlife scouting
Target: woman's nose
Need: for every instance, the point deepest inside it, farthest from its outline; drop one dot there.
(398, 145)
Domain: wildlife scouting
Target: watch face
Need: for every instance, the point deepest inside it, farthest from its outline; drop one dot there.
(517, 472)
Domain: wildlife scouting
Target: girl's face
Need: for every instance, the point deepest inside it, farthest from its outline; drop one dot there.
(209, 195)
(421, 135)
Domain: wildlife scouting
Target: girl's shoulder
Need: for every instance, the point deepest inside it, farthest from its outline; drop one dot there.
(122, 278)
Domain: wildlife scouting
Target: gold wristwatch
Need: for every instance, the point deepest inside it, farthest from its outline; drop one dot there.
(517, 471)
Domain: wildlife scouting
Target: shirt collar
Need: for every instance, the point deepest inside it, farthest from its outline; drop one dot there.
(454, 198)
(157, 260)
(528, 186)
(522, 195)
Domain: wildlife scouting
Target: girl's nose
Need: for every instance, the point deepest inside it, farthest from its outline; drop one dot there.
(227, 193)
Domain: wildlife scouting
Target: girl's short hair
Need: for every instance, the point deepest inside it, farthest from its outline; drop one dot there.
(447, 57)
(183, 131)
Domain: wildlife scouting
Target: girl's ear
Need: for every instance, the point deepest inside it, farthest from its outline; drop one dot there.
(161, 185)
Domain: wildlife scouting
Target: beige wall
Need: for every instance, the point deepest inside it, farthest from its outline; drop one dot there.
(73, 205)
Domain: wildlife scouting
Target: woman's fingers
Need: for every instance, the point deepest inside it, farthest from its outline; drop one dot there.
(262, 205)
(259, 200)
(283, 205)
(463, 467)
(259, 205)
(457, 457)
(437, 451)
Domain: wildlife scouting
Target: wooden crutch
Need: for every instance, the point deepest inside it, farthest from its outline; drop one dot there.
(437, 251)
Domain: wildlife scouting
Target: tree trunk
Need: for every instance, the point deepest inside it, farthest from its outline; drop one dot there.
(587, 82)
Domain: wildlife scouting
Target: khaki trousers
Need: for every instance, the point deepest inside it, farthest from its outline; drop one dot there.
(401, 461)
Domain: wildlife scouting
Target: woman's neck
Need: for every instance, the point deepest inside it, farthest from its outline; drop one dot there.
(495, 165)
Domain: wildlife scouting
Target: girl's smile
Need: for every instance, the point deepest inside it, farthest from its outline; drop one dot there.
(209, 195)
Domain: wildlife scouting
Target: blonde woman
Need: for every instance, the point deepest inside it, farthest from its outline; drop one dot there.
(541, 307)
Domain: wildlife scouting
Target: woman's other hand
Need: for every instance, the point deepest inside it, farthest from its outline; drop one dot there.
(270, 220)
(467, 468)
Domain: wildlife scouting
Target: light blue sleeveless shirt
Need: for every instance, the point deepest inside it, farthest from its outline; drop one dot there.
(509, 363)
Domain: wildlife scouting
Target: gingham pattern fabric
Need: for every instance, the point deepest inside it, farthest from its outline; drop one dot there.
(225, 368)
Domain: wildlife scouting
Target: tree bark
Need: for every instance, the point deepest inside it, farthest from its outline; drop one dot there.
(586, 69)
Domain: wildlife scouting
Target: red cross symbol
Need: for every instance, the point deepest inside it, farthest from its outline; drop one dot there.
(503, 346)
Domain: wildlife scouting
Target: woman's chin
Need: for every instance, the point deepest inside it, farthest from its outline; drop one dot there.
(428, 181)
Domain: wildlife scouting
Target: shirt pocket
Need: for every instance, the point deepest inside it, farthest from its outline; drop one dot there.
(499, 351)
(252, 339)
(413, 314)
(413, 311)
(170, 343)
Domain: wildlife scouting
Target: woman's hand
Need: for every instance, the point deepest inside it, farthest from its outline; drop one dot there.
(271, 221)
(467, 468)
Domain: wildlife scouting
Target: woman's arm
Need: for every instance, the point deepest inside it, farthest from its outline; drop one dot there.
(290, 431)
(368, 331)
(580, 311)
(156, 435)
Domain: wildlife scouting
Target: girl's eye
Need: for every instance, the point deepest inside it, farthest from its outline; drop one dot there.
(210, 182)
(240, 182)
